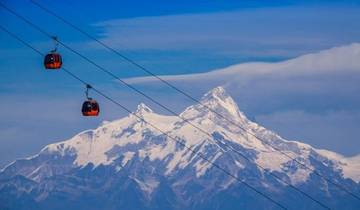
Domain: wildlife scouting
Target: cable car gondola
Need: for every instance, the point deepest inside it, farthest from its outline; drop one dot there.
(90, 107)
(53, 59)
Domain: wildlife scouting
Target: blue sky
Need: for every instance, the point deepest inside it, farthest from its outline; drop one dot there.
(181, 37)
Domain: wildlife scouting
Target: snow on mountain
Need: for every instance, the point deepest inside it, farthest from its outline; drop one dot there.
(129, 137)
(130, 157)
(91, 146)
(350, 167)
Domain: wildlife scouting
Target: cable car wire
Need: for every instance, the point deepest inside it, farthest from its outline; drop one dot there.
(152, 125)
(185, 120)
(141, 67)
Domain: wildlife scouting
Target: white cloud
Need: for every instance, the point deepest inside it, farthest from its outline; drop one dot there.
(336, 60)
(306, 80)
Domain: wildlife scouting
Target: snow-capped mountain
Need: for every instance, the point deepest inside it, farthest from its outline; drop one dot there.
(129, 164)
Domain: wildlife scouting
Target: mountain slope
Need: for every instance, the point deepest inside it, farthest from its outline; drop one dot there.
(129, 164)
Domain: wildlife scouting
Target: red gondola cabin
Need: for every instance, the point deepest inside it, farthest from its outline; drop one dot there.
(90, 108)
(53, 61)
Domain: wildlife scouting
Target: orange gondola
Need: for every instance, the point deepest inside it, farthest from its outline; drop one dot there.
(90, 107)
(53, 59)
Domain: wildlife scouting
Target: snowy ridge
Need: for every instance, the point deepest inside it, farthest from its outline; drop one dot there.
(91, 146)
(130, 139)
(129, 160)
(350, 167)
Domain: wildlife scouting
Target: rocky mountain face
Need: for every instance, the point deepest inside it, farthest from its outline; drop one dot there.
(127, 164)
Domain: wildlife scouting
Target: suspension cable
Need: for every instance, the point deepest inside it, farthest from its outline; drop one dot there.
(141, 67)
(153, 126)
(185, 120)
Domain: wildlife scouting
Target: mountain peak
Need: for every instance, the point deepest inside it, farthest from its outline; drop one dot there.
(218, 92)
(142, 108)
(140, 161)
(218, 98)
